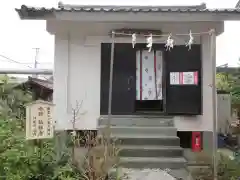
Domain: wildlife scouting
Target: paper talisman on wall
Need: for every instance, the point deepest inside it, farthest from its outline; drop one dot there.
(189, 78)
(184, 78)
(174, 78)
(39, 120)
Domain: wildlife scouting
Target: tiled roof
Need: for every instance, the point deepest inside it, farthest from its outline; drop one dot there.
(114, 8)
(238, 4)
(31, 12)
(43, 83)
(228, 69)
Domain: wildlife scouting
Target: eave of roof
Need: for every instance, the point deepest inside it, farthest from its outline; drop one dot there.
(46, 84)
(27, 12)
(238, 4)
(230, 70)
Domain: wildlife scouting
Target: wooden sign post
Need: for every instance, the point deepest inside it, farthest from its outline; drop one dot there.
(39, 124)
(39, 120)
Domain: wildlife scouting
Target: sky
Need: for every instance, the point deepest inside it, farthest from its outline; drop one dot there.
(18, 38)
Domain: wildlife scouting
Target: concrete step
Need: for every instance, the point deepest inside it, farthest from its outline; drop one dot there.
(132, 130)
(147, 115)
(152, 162)
(150, 151)
(137, 120)
(147, 140)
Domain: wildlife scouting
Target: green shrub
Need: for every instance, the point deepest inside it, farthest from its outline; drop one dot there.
(228, 169)
(22, 159)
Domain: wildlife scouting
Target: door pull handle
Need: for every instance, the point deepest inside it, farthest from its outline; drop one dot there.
(130, 79)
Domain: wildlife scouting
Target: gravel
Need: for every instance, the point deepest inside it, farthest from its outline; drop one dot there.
(145, 174)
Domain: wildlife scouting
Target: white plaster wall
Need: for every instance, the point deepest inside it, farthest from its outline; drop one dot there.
(77, 74)
(84, 82)
(60, 97)
(76, 82)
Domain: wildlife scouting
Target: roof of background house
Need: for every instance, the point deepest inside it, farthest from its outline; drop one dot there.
(27, 12)
(47, 84)
(50, 79)
(230, 70)
(18, 82)
(238, 4)
(14, 80)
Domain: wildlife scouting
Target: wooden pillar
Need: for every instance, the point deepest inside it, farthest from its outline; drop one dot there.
(214, 103)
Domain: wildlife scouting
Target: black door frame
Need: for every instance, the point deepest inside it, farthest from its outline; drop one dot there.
(139, 46)
(165, 74)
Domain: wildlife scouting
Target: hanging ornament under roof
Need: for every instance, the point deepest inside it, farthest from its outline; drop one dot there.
(149, 43)
(169, 43)
(190, 41)
(149, 34)
(134, 39)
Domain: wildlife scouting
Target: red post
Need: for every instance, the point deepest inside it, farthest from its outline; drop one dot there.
(196, 142)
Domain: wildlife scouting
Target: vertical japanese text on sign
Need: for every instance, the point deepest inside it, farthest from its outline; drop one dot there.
(39, 123)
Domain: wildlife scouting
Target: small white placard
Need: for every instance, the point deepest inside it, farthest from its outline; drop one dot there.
(39, 120)
(188, 78)
(174, 78)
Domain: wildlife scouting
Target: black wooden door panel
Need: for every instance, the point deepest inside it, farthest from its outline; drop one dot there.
(124, 78)
(184, 99)
(105, 69)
